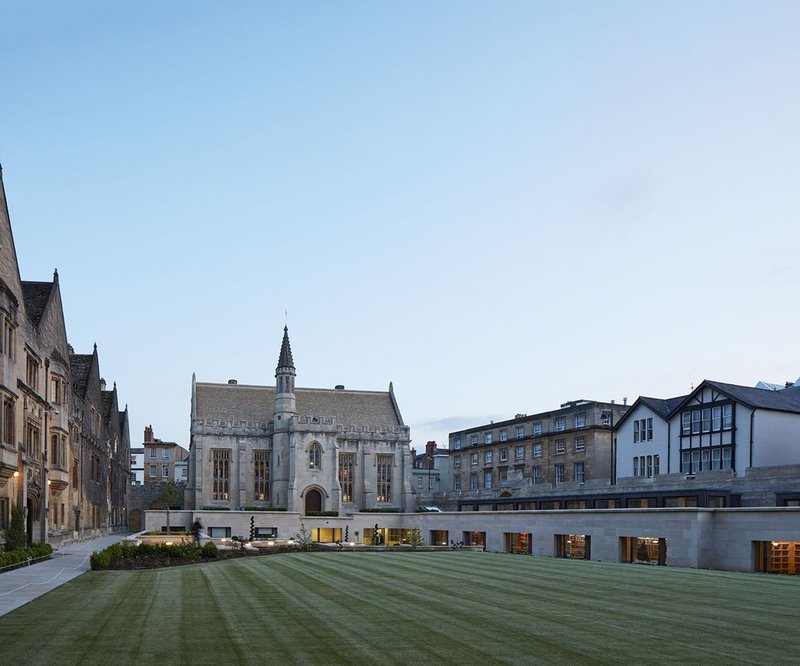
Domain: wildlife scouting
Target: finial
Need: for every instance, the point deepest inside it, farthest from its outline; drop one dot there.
(95, 347)
(55, 275)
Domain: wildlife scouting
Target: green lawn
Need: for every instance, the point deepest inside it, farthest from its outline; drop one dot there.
(406, 608)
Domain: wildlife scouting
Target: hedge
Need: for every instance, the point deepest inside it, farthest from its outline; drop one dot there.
(37, 550)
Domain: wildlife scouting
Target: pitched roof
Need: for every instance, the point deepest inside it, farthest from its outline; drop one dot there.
(36, 295)
(80, 367)
(787, 400)
(240, 402)
(662, 406)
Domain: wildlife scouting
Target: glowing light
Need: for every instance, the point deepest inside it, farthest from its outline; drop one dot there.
(168, 543)
(16, 475)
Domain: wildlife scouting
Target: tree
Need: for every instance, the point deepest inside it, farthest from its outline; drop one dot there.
(15, 535)
(416, 538)
(169, 496)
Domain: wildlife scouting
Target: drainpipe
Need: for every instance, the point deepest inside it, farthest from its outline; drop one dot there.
(45, 472)
(669, 444)
(752, 421)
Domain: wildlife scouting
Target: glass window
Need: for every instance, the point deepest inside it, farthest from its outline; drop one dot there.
(695, 421)
(487, 458)
(473, 459)
(503, 435)
(580, 444)
(314, 456)
(503, 455)
(561, 446)
(636, 465)
(636, 430)
(520, 432)
(706, 419)
(536, 475)
(457, 482)
(153, 469)
(686, 419)
(537, 429)
(649, 428)
(726, 457)
(561, 423)
(487, 479)
(560, 478)
(165, 471)
(457, 442)
(474, 440)
(727, 417)
(537, 450)
(716, 418)
(655, 465)
(579, 472)
(457, 461)
(473, 481)
(580, 420)
(519, 453)
(487, 438)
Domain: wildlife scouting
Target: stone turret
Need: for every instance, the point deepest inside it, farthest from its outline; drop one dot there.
(285, 403)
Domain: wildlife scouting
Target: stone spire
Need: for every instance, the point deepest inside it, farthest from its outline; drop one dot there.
(285, 403)
(285, 359)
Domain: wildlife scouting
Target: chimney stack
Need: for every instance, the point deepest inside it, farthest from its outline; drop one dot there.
(148, 434)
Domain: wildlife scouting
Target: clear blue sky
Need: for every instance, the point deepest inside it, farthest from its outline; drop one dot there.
(498, 206)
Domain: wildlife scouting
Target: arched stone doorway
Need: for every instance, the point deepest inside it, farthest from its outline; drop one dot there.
(313, 500)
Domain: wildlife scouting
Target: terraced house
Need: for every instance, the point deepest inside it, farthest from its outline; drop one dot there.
(531, 457)
(64, 455)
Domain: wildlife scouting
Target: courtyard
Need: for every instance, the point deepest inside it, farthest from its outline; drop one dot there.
(401, 608)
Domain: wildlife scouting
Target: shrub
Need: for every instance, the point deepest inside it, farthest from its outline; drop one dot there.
(210, 551)
(322, 513)
(216, 508)
(15, 536)
(100, 560)
(381, 511)
(41, 550)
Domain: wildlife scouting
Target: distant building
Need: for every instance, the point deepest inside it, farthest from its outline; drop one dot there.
(65, 450)
(137, 465)
(546, 453)
(163, 461)
(302, 449)
(430, 471)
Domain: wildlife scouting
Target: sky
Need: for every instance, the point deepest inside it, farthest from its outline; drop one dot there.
(497, 206)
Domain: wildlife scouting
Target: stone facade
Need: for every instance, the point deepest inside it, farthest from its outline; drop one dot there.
(300, 449)
(64, 454)
(701, 538)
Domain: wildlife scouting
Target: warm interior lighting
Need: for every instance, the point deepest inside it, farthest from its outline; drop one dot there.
(16, 475)
(168, 543)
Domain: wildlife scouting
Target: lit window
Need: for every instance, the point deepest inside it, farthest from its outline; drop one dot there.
(314, 456)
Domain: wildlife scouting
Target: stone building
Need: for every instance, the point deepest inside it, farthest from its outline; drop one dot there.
(64, 450)
(299, 449)
(566, 449)
(164, 462)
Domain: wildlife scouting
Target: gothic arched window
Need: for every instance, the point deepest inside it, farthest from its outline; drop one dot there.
(314, 456)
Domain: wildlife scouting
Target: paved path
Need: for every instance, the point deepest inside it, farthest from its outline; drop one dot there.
(23, 585)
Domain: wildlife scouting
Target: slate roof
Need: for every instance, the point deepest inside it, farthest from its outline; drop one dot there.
(35, 295)
(80, 367)
(662, 407)
(108, 403)
(240, 402)
(787, 400)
